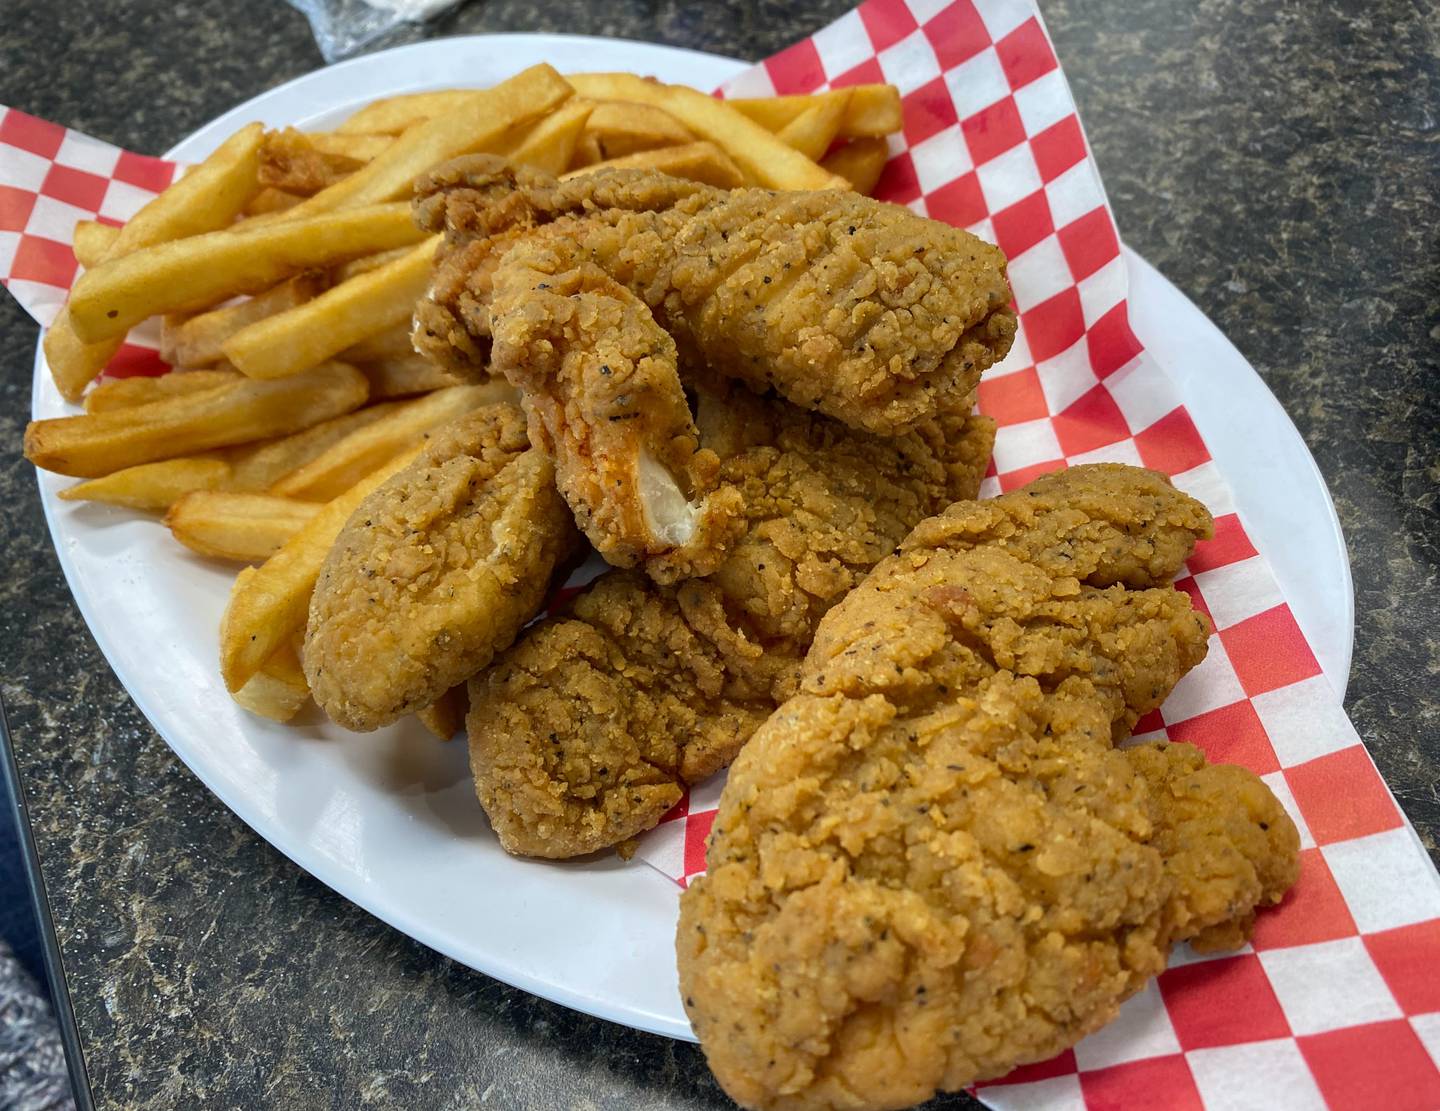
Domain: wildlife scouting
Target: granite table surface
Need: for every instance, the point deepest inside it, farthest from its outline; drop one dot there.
(1279, 163)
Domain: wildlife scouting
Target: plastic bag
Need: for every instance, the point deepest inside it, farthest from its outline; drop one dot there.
(343, 27)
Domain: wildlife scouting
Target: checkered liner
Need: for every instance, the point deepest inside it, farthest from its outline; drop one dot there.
(51, 178)
(1337, 1000)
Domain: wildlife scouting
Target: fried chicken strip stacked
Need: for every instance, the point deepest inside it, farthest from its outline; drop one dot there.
(932, 865)
(586, 731)
(436, 571)
(590, 294)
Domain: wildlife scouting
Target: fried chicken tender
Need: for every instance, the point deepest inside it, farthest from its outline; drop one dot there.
(591, 294)
(585, 732)
(600, 384)
(436, 571)
(932, 865)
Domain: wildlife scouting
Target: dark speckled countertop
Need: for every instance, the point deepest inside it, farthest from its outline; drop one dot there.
(1278, 162)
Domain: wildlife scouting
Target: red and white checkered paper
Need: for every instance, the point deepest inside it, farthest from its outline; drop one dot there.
(50, 179)
(1336, 1002)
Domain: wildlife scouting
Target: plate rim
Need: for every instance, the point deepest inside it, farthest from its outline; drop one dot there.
(334, 876)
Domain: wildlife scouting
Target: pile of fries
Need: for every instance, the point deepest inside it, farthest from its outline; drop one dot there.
(285, 269)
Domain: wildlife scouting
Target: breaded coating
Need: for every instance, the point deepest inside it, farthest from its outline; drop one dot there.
(436, 571)
(932, 865)
(586, 731)
(593, 295)
(859, 309)
(484, 206)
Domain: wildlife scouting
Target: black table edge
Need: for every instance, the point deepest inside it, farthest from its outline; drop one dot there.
(50, 943)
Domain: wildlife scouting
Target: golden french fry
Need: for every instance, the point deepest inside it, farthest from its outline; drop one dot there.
(482, 117)
(446, 715)
(246, 527)
(125, 393)
(359, 148)
(270, 200)
(269, 606)
(95, 444)
(208, 197)
(873, 111)
(813, 130)
(860, 162)
(305, 336)
(404, 424)
(403, 376)
(153, 485)
(550, 143)
(169, 323)
(251, 468)
(395, 114)
(73, 363)
(587, 150)
(257, 467)
(200, 340)
(357, 266)
(92, 242)
(277, 691)
(762, 157)
(392, 343)
(622, 127)
(702, 161)
(205, 269)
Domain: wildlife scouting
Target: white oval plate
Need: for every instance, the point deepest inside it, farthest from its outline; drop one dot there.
(389, 819)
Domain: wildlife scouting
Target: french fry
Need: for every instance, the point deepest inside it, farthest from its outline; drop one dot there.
(92, 242)
(404, 376)
(392, 343)
(873, 111)
(702, 161)
(205, 269)
(245, 527)
(762, 157)
(860, 162)
(269, 606)
(295, 340)
(153, 485)
(550, 143)
(257, 467)
(270, 200)
(277, 691)
(359, 148)
(357, 266)
(404, 424)
(587, 150)
(622, 127)
(125, 393)
(74, 364)
(813, 130)
(95, 444)
(446, 715)
(249, 468)
(394, 114)
(200, 340)
(482, 117)
(208, 197)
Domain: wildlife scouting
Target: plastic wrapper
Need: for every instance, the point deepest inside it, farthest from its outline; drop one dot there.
(345, 27)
